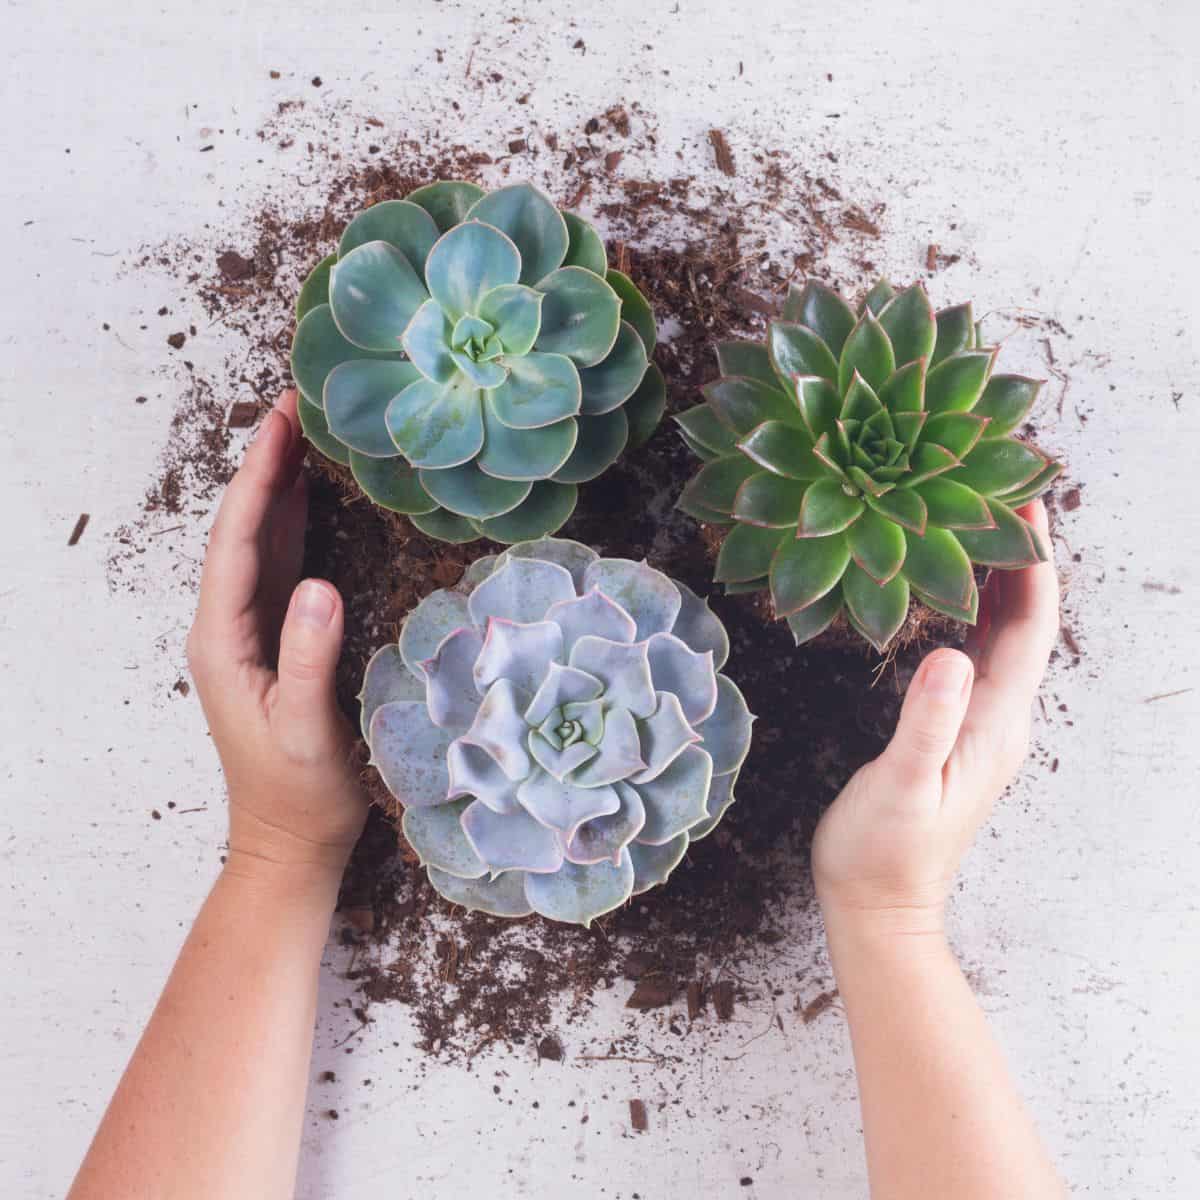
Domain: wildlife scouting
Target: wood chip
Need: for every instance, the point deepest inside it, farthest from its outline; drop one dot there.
(814, 1008)
(721, 150)
(80, 525)
(637, 963)
(637, 1116)
(722, 996)
(517, 145)
(612, 160)
(550, 1048)
(695, 1000)
(242, 415)
(360, 919)
(1069, 640)
(931, 257)
(652, 991)
(1071, 499)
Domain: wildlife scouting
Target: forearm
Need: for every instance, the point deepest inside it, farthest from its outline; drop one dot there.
(941, 1115)
(212, 1102)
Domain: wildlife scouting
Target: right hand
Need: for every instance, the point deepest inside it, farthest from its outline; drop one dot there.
(887, 851)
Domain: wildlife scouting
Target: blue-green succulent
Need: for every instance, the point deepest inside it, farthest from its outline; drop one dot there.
(472, 358)
(556, 729)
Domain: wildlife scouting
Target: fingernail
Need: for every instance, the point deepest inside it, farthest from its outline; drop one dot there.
(313, 603)
(266, 431)
(946, 678)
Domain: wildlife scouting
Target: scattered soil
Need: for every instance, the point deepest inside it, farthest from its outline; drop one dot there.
(80, 525)
(705, 260)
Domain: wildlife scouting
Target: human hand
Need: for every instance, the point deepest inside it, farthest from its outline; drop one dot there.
(263, 653)
(887, 851)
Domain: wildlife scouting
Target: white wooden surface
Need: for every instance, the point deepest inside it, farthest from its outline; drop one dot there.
(1060, 138)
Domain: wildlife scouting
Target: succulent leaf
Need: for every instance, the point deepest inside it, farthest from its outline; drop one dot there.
(1006, 402)
(783, 450)
(956, 432)
(726, 732)
(1035, 487)
(500, 897)
(610, 383)
(546, 508)
(747, 359)
(401, 223)
(904, 392)
(600, 443)
(953, 505)
(676, 799)
(743, 404)
(957, 382)
(823, 311)
(1000, 465)
(437, 835)
(699, 627)
(648, 596)
(409, 752)
(653, 864)
(868, 351)
(804, 569)
(826, 508)
(515, 841)
(528, 454)
(644, 409)
(447, 202)
(530, 219)
(938, 566)
(955, 332)
(685, 673)
(876, 610)
(715, 486)
(467, 491)
(446, 526)
(357, 395)
(706, 429)
(316, 429)
(581, 316)
(319, 347)
(1011, 543)
(580, 894)
(541, 389)
(437, 425)
(747, 552)
(315, 288)
(466, 263)
(373, 294)
(797, 350)
(877, 298)
(807, 623)
(386, 678)
(634, 307)
(769, 500)
(514, 314)
(585, 247)
(877, 544)
(908, 321)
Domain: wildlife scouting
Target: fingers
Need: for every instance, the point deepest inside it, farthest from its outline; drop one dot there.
(1023, 618)
(231, 565)
(308, 654)
(930, 719)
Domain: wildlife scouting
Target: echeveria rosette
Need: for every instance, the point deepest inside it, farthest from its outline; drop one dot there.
(556, 729)
(863, 459)
(472, 359)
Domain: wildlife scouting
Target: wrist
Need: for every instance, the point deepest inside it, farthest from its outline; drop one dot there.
(892, 929)
(288, 882)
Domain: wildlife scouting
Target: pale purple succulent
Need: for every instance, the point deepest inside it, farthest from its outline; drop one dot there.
(556, 729)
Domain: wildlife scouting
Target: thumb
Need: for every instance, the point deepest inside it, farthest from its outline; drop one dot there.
(931, 717)
(309, 645)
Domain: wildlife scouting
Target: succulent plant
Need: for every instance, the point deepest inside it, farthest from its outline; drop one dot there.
(556, 729)
(863, 459)
(471, 358)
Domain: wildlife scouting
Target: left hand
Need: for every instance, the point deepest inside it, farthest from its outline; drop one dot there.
(263, 652)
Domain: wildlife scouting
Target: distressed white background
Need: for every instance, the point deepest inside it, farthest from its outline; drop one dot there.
(1059, 139)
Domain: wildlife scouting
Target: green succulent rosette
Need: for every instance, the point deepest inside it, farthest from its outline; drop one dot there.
(471, 358)
(865, 458)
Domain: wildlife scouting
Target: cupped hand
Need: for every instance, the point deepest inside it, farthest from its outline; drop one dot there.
(263, 652)
(888, 849)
